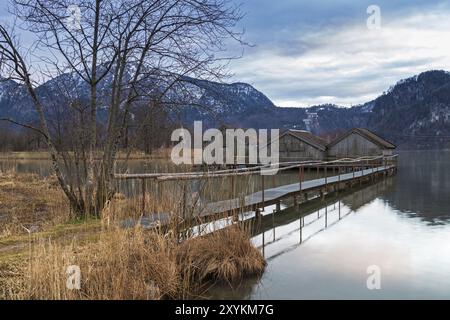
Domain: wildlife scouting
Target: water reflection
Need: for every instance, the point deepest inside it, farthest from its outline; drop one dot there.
(399, 224)
(422, 186)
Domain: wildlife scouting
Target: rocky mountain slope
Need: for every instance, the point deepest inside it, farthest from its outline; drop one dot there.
(415, 112)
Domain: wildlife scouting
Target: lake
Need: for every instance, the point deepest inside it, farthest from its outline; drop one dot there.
(399, 225)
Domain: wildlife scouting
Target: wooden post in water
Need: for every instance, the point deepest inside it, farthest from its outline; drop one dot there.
(262, 184)
(233, 186)
(184, 200)
(300, 173)
(339, 208)
(361, 177)
(339, 179)
(233, 191)
(263, 244)
(301, 228)
(159, 186)
(143, 195)
(273, 224)
(373, 170)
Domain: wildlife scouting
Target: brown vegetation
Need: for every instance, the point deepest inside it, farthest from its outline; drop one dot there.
(118, 263)
(157, 153)
(223, 256)
(30, 203)
(134, 264)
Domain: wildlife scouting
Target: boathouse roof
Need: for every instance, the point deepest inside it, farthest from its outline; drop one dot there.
(367, 134)
(307, 137)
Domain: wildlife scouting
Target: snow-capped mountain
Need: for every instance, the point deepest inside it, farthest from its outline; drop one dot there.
(415, 111)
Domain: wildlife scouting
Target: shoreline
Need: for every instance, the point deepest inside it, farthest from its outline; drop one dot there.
(44, 155)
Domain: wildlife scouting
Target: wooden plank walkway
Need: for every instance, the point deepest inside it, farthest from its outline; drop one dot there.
(258, 199)
(274, 195)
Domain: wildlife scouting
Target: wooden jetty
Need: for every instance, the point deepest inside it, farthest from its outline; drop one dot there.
(272, 196)
(343, 174)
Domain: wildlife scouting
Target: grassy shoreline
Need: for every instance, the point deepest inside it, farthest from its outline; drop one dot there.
(116, 263)
(44, 155)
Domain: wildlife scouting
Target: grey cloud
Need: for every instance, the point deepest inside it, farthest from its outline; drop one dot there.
(303, 30)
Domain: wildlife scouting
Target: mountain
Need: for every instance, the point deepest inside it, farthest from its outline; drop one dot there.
(415, 112)
(10, 95)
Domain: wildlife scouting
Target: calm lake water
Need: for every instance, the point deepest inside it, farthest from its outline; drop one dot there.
(400, 224)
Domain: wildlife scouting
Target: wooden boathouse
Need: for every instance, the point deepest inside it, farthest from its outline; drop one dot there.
(301, 145)
(298, 145)
(359, 142)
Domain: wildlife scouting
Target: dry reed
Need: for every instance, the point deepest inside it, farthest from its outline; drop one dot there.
(30, 203)
(133, 263)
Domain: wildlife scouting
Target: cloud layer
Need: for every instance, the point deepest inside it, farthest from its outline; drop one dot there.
(328, 55)
(312, 52)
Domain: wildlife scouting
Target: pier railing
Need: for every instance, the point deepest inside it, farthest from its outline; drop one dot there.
(337, 167)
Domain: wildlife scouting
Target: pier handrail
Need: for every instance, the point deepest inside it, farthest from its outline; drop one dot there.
(366, 161)
(281, 166)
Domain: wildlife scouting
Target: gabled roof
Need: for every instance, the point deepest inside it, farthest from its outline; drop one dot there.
(307, 137)
(369, 135)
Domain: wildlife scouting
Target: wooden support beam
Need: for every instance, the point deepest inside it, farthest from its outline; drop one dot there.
(143, 195)
(184, 200)
(262, 183)
(233, 191)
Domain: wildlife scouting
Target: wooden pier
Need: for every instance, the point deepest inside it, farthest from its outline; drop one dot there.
(273, 196)
(340, 174)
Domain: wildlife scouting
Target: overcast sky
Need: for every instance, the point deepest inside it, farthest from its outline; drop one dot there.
(313, 52)
(321, 51)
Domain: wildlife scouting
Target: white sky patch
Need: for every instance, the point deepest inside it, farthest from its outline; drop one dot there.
(350, 65)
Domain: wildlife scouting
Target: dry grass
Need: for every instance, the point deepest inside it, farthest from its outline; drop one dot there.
(28, 201)
(133, 264)
(160, 153)
(226, 255)
(115, 263)
(122, 264)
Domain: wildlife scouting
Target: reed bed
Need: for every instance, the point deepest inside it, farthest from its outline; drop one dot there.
(30, 203)
(134, 264)
(131, 262)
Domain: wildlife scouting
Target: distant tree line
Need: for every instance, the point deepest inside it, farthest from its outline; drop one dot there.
(149, 130)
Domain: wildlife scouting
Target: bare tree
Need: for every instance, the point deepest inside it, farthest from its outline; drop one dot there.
(118, 54)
